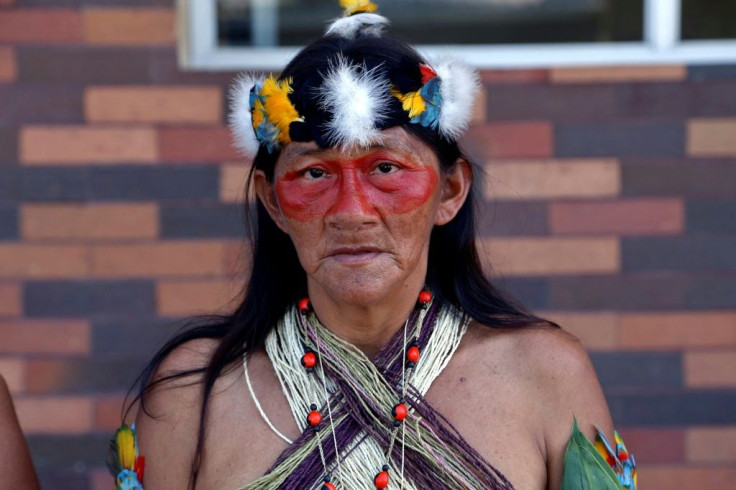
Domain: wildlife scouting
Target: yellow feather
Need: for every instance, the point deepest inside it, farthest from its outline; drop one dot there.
(356, 6)
(257, 113)
(601, 448)
(279, 109)
(126, 447)
(412, 102)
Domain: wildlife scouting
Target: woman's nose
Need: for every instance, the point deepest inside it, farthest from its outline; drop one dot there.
(352, 207)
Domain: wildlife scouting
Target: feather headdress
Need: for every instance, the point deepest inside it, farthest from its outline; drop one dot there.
(358, 100)
(339, 96)
(261, 113)
(241, 116)
(445, 100)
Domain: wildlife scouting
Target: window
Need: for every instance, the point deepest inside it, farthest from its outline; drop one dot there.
(264, 34)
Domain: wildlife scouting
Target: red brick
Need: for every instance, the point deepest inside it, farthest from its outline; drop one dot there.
(597, 331)
(530, 179)
(154, 104)
(711, 445)
(514, 76)
(10, 300)
(552, 256)
(710, 369)
(480, 108)
(195, 145)
(45, 337)
(700, 477)
(43, 261)
(711, 137)
(233, 177)
(55, 415)
(75, 145)
(14, 373)
(629, 217)
(678, 330)
(236, 261)
(510, 140)
(130, 26)
(8, 64)
(158, 260)
(181, 298)
(618, 74)
(108, 412)
(40, 26)
(89, 221)
(655, 446)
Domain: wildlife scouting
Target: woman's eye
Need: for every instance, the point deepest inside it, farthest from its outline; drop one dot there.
(386, 167)
(314, 173)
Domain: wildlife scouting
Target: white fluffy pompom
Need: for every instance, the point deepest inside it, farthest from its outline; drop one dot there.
(358, 99)
(365, 23)
(459, 87)
(241, 120)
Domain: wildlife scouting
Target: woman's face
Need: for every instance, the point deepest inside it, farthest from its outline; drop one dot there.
(360, 221)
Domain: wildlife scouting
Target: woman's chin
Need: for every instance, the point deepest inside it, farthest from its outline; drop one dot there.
(359, 288)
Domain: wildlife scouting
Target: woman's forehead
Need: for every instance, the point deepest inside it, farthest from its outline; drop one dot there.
(393, 140)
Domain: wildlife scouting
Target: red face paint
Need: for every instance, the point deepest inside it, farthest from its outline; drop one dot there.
(360, 186)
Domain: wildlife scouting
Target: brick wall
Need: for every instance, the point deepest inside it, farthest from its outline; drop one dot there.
(610, 205)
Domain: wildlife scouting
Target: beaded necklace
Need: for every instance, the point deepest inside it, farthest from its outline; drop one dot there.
(399, 412)
(359, 412)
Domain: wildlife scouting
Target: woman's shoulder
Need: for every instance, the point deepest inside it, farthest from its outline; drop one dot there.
(168, 417)
(542, 350)
(553, 368)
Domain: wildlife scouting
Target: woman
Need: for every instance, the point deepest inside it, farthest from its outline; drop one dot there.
(16, 466)
(370, 350)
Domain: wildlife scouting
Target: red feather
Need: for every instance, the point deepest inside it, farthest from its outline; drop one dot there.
(427, 73)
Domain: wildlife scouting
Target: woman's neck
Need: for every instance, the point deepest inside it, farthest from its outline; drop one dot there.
(367, 326)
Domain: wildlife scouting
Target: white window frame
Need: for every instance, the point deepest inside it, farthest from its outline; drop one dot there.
(199, 50)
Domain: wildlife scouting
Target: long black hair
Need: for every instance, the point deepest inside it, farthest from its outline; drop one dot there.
(277, 280)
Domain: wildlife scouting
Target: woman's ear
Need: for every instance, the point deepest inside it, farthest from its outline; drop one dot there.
(456, 184)
(267, 196)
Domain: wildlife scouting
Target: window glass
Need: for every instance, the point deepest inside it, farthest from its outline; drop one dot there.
(708, 19)
(295, 22)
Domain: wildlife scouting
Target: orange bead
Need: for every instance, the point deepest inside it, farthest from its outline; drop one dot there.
(304, 305)
(328, 486)
(425, 297)
(314, 418)
(400, 411)
(309, 360)
(381, 479)
(412, 355)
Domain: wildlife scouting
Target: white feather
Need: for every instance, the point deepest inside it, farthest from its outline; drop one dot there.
(459, 87)
(365, 23)
(358, 99)
(241, 119)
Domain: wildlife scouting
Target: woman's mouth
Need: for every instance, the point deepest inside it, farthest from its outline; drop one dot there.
(355, 255)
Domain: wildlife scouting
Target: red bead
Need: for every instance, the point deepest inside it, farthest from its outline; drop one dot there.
(314, 418)
(328, 486)
(304, 305)
(309, 360)
(412, 355)
(425, 297)
(400, 411)
(381, 479)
